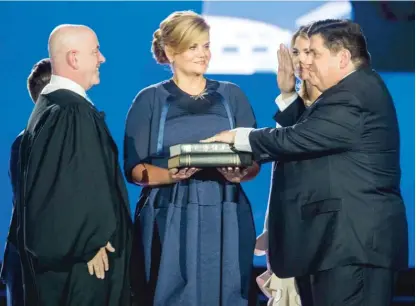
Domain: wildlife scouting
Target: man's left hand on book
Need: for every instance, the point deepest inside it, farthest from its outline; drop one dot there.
(233, 174)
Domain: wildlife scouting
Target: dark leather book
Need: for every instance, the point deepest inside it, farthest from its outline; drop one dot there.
(208, 160)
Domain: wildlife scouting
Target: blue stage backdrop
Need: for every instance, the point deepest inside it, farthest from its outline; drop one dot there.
(125, 32)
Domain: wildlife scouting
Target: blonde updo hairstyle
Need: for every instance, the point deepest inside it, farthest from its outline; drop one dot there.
(176, 33)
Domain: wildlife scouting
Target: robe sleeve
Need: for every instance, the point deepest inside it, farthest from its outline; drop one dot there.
(137, 131)
(69, 196)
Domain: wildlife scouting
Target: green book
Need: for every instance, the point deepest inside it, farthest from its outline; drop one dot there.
(200, 148)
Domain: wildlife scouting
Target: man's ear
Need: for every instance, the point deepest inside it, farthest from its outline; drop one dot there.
(345, 58)
(72, 60)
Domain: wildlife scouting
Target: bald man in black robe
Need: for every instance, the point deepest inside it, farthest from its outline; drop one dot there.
(73, 214)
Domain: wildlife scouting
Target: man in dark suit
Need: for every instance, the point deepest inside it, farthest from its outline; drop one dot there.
(11, 271)
(337, 220)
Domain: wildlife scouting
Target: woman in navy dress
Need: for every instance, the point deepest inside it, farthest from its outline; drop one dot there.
(195, 226)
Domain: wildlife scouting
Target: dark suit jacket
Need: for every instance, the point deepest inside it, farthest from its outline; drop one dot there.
(336, 197)
(11, 237)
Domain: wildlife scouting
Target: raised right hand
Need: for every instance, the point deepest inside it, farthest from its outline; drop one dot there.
(285, 71)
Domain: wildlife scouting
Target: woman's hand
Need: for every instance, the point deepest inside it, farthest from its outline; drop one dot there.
(233, 175)
(182, 174)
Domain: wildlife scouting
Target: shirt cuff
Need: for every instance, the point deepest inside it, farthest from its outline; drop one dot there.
(262, 244)
(241, 141)
(286, 102)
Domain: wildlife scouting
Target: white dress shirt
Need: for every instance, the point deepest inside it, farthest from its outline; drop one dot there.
(59, 82)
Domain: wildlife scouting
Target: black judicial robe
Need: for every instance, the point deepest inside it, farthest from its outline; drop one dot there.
(71, 200)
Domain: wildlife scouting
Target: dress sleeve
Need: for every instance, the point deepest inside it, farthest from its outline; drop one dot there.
(137, 131)
(243, 112)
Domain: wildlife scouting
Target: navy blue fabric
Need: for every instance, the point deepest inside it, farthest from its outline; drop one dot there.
(198, 235)
(11, 271)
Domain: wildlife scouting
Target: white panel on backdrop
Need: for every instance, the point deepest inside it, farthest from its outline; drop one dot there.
(245, 35)
(336, 10)
(243, 46)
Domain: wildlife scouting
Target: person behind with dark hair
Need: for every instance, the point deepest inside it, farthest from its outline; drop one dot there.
(72, 207)
(38, 78)
(339, 224)
(196, 225)
(11, 272)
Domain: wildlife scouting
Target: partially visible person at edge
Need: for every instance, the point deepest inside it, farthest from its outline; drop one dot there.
(11, 272)
(196, 225)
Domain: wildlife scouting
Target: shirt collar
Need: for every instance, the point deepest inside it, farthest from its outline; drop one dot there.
(349, 74)
(59, 82)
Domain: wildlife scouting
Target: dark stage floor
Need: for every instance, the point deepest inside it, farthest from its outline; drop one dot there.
(404, 295)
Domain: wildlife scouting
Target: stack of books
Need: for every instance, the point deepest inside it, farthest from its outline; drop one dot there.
(207, 155)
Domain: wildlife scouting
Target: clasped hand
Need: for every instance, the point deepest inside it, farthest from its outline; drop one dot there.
(99, 264)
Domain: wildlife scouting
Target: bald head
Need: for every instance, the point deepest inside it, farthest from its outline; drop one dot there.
(74, 53)
(67, 37)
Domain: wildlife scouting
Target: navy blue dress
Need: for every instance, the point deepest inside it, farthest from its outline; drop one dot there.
(198, 235)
